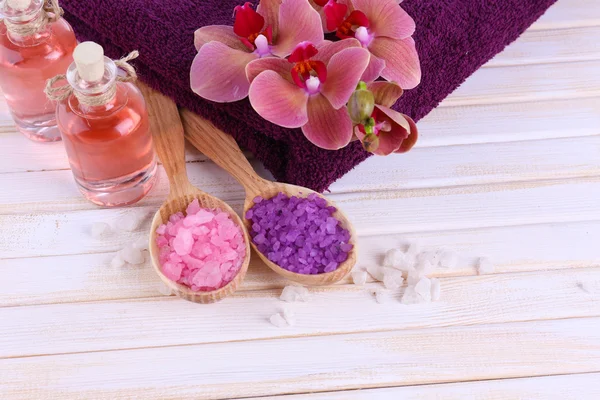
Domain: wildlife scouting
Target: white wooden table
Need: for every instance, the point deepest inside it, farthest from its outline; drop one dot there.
(508, 167)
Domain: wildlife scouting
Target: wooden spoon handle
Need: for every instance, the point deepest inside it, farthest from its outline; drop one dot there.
(167, 134)
(222, 149)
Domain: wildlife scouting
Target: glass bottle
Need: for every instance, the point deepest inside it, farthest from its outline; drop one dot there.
(32, 50)
(105, 128)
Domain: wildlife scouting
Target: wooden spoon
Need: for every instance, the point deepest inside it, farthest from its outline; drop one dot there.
(224, 151)
(167, 133)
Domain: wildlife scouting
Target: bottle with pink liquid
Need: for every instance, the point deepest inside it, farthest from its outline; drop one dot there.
(104, 124)
(35, 45)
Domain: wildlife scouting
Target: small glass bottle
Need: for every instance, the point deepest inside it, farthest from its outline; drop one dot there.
(105, 128)
(34, 47)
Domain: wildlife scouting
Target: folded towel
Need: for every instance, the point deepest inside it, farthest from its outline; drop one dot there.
(454, 38)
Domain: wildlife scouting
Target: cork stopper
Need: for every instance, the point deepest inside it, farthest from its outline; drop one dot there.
(19, 5)
(89, 58)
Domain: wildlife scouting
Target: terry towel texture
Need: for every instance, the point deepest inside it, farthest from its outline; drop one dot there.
(454, 38)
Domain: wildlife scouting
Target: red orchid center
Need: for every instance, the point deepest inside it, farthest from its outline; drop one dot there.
(249, 26)
(307, 73)
(355, 26)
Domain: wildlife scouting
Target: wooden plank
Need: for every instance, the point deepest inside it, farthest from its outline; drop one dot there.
(551, 46)
(414, 210)
(558, 387)
(311, 364)
(568, 14)
(522, 83)
(87, 277)
(503, 298)
(421, 168)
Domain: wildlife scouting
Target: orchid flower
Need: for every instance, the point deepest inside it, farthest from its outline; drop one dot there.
(310, 89)
(383, 28)
(386, 131)
(218, 72)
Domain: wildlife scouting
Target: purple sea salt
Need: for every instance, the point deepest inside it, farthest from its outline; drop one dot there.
(299, 234)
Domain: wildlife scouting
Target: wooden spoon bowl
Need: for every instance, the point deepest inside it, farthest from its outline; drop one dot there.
(224, 151)
(169, 142)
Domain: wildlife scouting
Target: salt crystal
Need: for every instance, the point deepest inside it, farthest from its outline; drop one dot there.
(141, 243)
(164, 289)
(100, 229)
(278, 320)
(117, 261)
(380, 296)
(131, 220)
(485, 266)
(410, 296)
(432, 257)
(392, 279)
(415, 276)
(425, 267)
(359, 277)
(376, 272)
(292, 294)
(435, 289)
(414, 248)
(394, 258)
(132, 255)
(423, 289)
(289, 316)
(448, 259)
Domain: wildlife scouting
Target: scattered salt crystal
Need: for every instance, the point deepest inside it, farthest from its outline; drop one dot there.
(278, 320)
(432, 257)
(292, 294)
(376, 272)
(394, 258)
(423, 289)
(132, 255)
(435, 289)
(141, 243)
(425, 267)
(392, 279)
(100, 229)
(117, 261)
(289, 316)
(380, 296)
(131, 220)
(485, 266)
(414, 248)
(415, 276)
(448, 259)
(359, 277)
(410, 296)
(164, 289)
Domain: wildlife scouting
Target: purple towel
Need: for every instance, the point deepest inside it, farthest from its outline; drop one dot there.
(454, 38)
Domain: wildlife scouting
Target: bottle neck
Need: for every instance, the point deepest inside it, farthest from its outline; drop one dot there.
(27, 27)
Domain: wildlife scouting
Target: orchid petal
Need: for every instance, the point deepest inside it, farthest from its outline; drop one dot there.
(218, 73)
(327, 127)
(269, 9)
(387, 18)
(218, 33)
(409, 142)
(395, 117)
(328, 49)
(298, 22)
(335, 14)
(321, 12)
(344, 71)
(401, 60)
(247, 21)
(279, 65)
(277, 100)
(386, 93)
(389, 141)
(374, 69)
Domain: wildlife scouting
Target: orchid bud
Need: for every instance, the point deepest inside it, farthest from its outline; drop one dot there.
(370, 142)
(361, 104)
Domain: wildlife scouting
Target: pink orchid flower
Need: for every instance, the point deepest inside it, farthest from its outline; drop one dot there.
(383, 28)
(310, 90)
(396, 132)
(218, 72)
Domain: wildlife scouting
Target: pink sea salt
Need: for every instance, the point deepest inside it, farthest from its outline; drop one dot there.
(203, 249)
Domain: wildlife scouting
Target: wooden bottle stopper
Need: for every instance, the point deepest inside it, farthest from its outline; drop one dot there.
(89, 58)
(19, 5)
